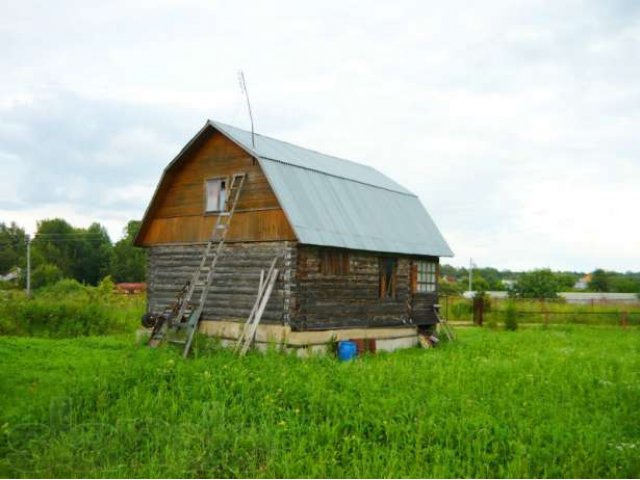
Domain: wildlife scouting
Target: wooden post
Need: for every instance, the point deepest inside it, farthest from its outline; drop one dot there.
(28, 266)
(545, 312)
(624, 319)
(446, 308)
(478, 310)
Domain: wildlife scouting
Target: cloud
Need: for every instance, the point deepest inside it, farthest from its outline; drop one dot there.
(516, 124)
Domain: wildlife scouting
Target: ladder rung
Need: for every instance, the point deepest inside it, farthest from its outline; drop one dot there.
(224, 214)
(222, 225)
(178, 342)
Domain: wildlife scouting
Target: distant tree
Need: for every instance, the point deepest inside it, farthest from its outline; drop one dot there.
(449, 288)
(566, 280)
(44, 275)
(492, 276)
(82, 254)
(479, 283)
(13, 247)
(129, 262)
(624, 283)
(540, 283)
(94, 251)
(600, 281)
(448, 271)
(54, 244)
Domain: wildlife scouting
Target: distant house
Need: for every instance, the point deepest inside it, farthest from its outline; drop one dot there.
(12, 276)
(583, 283)
(131, 288)
(360, 254)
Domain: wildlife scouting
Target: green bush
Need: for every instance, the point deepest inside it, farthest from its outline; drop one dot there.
(510, 316)
(46, 274)
(69, 309)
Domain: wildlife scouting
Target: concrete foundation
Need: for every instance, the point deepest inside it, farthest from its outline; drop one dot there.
(311, 343)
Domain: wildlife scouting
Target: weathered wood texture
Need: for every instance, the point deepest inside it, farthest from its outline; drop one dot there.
(177, 214)
(422, 312)
(236, 278)
(351, 297)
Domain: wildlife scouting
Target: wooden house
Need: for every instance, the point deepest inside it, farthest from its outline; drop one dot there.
(359, 252)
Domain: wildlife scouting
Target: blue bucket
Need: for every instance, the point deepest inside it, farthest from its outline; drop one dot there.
(347, 350)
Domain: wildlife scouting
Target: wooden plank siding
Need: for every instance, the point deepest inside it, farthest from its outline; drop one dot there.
(177, 215)
(235, 284)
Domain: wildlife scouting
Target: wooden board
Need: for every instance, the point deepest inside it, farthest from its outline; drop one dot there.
(177, 214)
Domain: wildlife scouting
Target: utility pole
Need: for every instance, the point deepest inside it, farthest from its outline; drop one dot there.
(28, 265)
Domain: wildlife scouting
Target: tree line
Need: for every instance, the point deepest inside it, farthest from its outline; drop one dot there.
(60, 250)
(539, 283)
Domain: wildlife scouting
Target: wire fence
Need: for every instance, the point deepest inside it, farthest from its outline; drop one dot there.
(541, 311)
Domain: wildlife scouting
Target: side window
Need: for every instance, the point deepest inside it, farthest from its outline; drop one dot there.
(215, 195)
(425, 275)
(334, 262)
(388, 273)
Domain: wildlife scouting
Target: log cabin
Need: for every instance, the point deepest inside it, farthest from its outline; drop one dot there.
(359, 253)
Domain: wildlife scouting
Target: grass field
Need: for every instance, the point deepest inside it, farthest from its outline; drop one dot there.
(557, 402)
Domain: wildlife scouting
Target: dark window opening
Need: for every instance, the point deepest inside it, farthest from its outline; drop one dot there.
(388, 274)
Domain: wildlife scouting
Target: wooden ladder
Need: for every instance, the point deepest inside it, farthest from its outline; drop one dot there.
(188, 318)
(264, 293)
(443, 324)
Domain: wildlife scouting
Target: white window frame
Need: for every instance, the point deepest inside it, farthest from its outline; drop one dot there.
(219, 204)
(426, 276)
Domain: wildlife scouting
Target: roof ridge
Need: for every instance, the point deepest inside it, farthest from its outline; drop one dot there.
(315, 170)
(298, 146)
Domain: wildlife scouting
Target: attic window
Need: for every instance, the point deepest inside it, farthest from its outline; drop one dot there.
(216, 195)
(388, 273)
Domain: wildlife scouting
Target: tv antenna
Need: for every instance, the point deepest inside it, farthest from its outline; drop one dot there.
(243, 87)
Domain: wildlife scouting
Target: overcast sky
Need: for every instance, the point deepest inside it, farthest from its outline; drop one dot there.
(516, 123)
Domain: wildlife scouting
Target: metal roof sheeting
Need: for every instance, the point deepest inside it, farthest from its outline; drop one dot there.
(272, 149)
(339, 203)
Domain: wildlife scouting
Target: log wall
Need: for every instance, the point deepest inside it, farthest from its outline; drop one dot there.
(235, 285)
(422, 312)
(351, 299)
(324, 301)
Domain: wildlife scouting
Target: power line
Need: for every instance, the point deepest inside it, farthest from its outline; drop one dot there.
(71, 234)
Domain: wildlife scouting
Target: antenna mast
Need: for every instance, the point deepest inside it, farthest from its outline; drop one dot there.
(243, 87)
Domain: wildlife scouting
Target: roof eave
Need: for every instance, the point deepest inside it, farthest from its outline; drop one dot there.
(166, 169)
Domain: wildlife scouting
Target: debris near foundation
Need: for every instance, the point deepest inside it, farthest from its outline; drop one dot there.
(428, 340)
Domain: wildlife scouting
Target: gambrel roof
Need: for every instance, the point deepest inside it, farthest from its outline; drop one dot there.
(338, 203)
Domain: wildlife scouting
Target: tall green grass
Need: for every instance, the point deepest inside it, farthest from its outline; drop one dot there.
(69, 309)
(560, 402)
